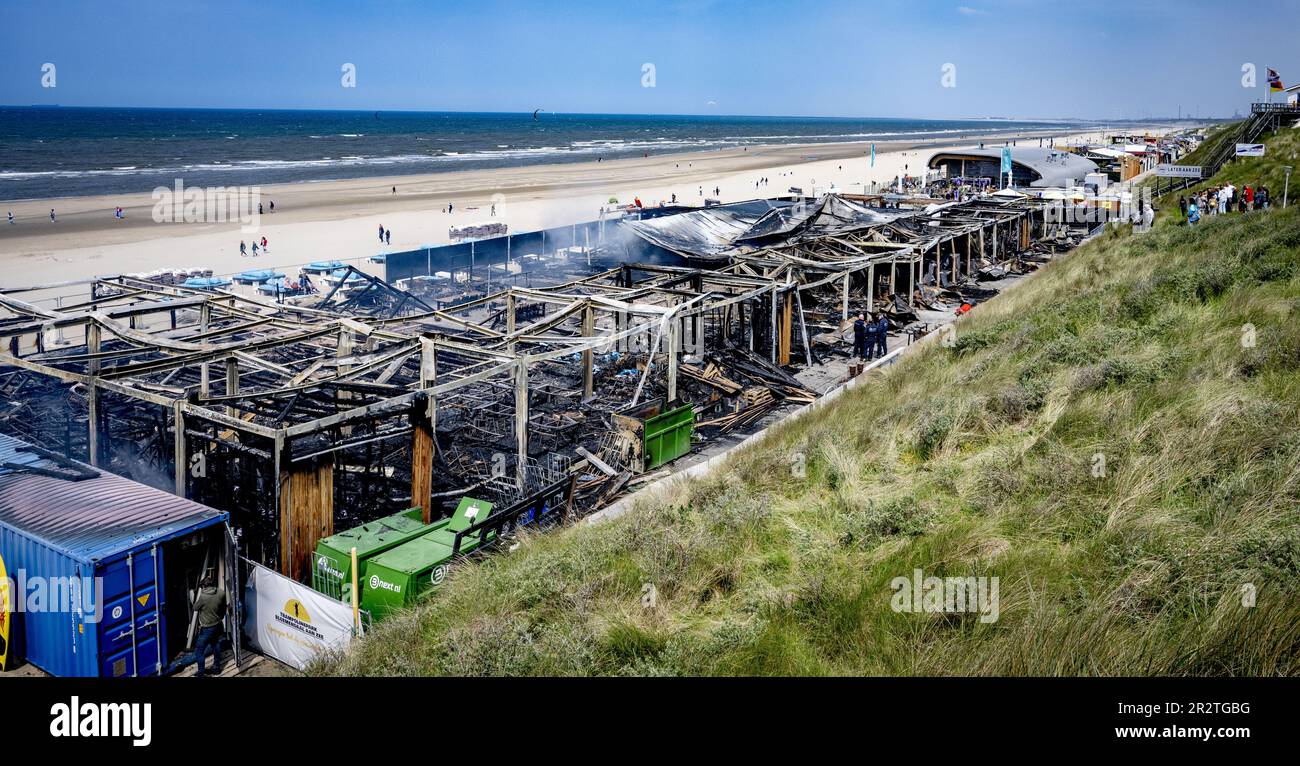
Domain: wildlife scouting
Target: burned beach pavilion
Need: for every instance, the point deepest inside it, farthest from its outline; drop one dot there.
(303, 416)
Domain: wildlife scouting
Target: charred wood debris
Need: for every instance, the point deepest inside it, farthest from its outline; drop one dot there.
(517, 387)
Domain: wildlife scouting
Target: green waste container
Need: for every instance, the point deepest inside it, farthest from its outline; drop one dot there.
(667, 436)
(396, 577)
(659, 431)
(331, 572)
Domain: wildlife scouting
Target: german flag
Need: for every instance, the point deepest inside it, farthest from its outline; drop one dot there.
(1275, 82)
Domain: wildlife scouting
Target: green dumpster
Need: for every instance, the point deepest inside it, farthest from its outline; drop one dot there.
(658, 431)
(331, 572)
(667, 436)
(396, 577)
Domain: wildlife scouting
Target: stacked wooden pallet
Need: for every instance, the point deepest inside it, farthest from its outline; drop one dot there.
(711, 375)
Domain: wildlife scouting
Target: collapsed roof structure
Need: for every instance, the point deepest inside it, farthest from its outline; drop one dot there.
(296, 415)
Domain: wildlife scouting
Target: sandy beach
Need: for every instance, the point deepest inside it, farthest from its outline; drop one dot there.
(339, 220)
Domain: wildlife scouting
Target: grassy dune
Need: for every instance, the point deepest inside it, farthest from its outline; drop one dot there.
(1116, 439)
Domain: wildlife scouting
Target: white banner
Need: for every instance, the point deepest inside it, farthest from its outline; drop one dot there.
(1178, 171)
(1250, 150)
(291, 622)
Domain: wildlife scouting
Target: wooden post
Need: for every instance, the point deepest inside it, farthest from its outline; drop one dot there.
(428, 379)
(588, 356)
(279, 494)
(93, 336)
(205, 316)
(306, 512)
(422, 450)
(803, 330)
(893, 274)
(787, 327)
(968, 272)
(232, 383)
(953, 243)
(521, 420)
(871, 287)
(674, 346)
(772, 350)
(912, 266)
(424, 434)
(844, 309)
(510, 320)
(178, 421)
(753, 324)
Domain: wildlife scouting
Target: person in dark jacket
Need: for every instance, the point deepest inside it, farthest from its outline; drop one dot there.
(871, 339)
(210, 606)
(882, 337)
(860, 337)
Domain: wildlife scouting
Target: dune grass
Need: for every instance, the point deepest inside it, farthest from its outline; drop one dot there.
(1117, 439)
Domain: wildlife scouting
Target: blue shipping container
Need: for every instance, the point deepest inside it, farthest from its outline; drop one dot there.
(103, 565)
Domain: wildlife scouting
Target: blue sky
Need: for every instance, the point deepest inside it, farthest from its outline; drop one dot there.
(1013, 58)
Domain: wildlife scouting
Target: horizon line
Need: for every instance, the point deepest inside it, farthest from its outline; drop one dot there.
(1168, 118)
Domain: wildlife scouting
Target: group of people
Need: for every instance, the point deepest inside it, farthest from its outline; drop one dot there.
(385, 235)
(1221, 200)
(243, 248)
(870, 337)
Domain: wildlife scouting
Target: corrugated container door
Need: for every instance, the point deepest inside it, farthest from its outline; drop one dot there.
(130, 632)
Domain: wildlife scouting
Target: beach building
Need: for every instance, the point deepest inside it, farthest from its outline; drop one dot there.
(1030, 166)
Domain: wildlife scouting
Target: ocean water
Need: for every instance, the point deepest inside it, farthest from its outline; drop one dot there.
(64, 151)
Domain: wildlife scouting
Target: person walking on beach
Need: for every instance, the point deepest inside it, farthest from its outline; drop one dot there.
(210, 607)
(394, 190)
(259, 208)
(882, 337)
(264, 244)
(243, 249)
(272, 206)
(254, 248)
(51, 215)
(381, 233)
(11, 218)
(388, 237)
(860, 337)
